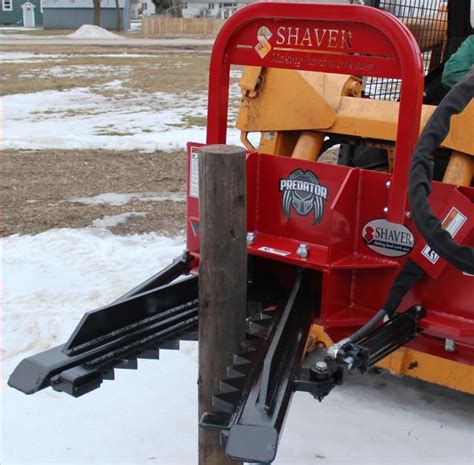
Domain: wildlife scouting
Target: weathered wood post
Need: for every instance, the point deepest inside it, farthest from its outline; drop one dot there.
(222, 277)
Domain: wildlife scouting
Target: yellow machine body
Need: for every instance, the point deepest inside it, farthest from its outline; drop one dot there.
(295, 110)
(413, 363)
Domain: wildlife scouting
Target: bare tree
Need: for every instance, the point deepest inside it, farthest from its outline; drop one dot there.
(177, 8)
(97, 12)
(119, 15)
(161, 6)
(172, 7)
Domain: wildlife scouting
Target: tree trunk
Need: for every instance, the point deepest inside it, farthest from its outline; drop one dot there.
(177, 8)
(97, 12)
(119, 15)
(161, 6)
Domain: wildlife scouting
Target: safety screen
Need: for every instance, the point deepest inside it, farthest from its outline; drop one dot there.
(428, 22)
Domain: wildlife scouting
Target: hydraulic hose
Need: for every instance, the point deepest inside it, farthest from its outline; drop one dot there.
(421, 175)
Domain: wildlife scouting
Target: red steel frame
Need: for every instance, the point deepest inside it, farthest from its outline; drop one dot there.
(354, 280)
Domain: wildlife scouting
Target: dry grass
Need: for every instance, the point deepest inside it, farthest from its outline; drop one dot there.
(38, 32)
(36, 189)
(157, 72)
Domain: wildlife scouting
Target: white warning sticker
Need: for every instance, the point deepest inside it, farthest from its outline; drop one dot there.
(452, 223)
(282, 253)
(194, 173)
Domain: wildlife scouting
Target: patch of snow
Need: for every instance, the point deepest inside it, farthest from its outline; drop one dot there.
(79, 71)
(109, 221)
(48, 275)
(150, 415)
(79, 118)
(27, 57)
(117, 199)
(89, 31)
(113, 85)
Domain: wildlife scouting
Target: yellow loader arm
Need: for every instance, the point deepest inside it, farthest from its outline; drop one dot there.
(295, 110)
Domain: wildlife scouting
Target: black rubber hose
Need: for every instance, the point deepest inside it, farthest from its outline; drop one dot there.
(368, 327)
(421, 175)
(406, 279)
(409, 275)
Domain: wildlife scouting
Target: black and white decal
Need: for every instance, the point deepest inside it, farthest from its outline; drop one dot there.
(388, 239)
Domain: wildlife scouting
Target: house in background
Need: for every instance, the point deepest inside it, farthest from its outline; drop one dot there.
(200, 9)
(72, 14)
(139, 8)
(28, 13)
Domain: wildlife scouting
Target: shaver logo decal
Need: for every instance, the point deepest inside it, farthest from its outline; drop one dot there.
(297, 38)
(263, 46)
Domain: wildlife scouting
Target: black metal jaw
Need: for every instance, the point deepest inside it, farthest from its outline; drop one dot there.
(261, 381)
(150, 317)
(250, 413)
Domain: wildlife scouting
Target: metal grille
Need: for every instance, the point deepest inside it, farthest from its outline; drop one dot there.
(428, 22)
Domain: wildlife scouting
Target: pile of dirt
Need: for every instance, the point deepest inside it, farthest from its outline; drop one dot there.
(88, 31)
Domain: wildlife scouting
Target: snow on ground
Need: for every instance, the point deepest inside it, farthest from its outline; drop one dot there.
(149, 416)
(89, 31)
(117, 199)
(80, 71)
(80, 118)
(27, 57)
(109, 221)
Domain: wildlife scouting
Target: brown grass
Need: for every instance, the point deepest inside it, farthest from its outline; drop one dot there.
(38, 32)
(36, 189)
(157, 72)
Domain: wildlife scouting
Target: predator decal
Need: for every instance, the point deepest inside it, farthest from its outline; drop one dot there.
(303, 192)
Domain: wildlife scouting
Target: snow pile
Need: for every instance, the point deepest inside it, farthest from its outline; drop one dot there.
(89, 31)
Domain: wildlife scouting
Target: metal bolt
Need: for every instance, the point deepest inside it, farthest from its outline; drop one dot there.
(303, 251)
(408, 215)
(387, 184)
(251, 238)
(320, 366)
(449, 345)
(419, 310)
(385, 210)
(319, 370)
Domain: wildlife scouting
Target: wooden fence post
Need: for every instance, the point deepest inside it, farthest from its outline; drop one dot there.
(222, 277)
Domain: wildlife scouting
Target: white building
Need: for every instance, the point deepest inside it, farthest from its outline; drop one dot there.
(138, 8)
(200, 9)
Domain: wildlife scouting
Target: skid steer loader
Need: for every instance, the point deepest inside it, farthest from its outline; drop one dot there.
(363, 261)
